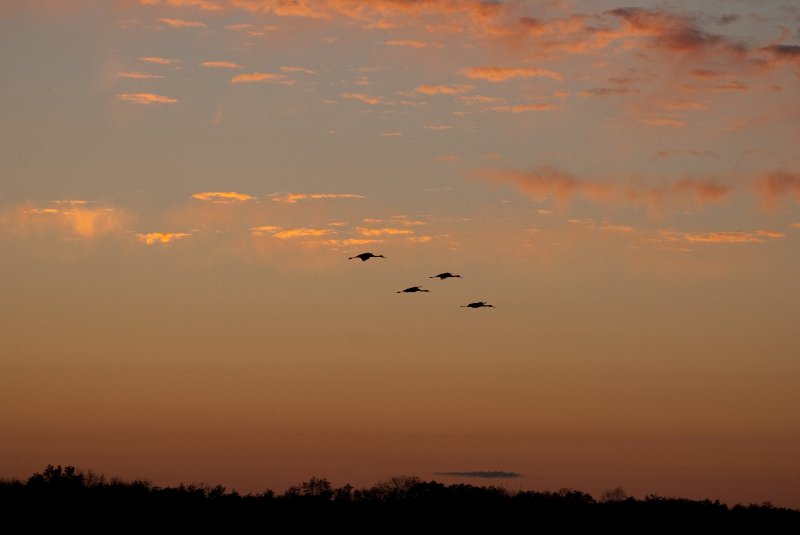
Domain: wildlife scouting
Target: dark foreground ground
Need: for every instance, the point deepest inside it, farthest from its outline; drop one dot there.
(62, 497)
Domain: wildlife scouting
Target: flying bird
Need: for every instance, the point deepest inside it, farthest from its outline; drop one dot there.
(443, 276)
(366, 256)
(479, 304)
(412, 290)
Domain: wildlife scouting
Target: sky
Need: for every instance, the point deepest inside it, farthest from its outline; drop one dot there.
(182, 183)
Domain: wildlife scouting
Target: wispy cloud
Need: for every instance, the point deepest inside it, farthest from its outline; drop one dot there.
(290, 68)
(146, 99)
(411, 43)
(180, 23)
(442, 89)
(203, 5)
(386, 231)
(521, 108)
(722, 237)
(361, 97)
(71, 218)
(222, 197)
(303, 233)
(293, 198)
(255, 77)
(157, 60)
(501, 74)
(482, 474)
(136, 75)
(221, 65)
(153, 238)
(608, 91)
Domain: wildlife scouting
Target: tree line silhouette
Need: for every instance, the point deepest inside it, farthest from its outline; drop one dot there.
(63, 495)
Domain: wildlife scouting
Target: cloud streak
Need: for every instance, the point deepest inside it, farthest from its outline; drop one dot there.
(146, 99)
(294, 198)
(220, 65)
(256, 77)
(502, 74)
(153, 238)
(180, 23)
(223, 197)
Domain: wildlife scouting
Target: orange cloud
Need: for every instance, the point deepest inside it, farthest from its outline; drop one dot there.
(617, 228)
(386, 231)
(383, 13)
(221, 65)
(347, 242)
(222, 197)
(203, 5)
(501, 74)
(292, 198)
(302, 233)
(152, 238)
(298, 69)
(420, 239)
(180, 23)
(157, 60)
(264, 230)
(254, 77)
(776, 186)
(443, 89)
(410, 43)
(366, 99)
(138, 75)
(145, 99)
(723, 237)
(73, 218)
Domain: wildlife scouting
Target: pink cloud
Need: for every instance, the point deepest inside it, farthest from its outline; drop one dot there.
(547, 182)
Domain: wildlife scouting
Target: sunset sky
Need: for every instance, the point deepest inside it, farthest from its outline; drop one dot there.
(183, 181)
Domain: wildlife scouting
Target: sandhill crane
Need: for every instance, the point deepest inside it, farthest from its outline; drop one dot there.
(412, 290)
(366, 256)
(443, 276)
(479, 304)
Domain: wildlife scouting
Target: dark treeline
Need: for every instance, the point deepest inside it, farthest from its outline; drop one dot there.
(63, 495)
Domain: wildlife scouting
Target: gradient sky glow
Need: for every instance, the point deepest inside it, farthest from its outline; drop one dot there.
(182, 182)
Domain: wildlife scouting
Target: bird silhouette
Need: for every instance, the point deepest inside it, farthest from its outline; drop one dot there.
(366, 256)
(443, 276)
(412, 290)
(479, 304)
